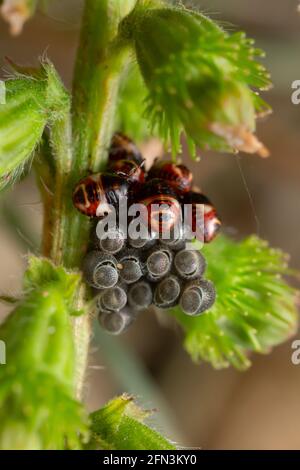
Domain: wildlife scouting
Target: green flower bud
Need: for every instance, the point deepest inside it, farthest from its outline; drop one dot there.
(37, 405)
(198, 78)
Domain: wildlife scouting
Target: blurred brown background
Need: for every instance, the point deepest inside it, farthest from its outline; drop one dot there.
(198, 406)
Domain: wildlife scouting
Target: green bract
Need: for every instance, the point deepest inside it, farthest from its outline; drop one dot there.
(119, 426)
(255, 307)
(198, 78)
(38, 409)
(32, 101)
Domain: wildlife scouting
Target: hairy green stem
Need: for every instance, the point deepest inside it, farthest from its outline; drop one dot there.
(99, 69)
(62, 147)
(97, 76)
(80, 143)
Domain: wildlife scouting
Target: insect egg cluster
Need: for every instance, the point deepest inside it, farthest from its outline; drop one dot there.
(128, 275)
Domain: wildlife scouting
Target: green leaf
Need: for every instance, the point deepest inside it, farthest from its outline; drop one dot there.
(38, 409)
(32, 101)
(200, 79)
(255, 307)
(132, 100)
(119, 426)
(22, 121)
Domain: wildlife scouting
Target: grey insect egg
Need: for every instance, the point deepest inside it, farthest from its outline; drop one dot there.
(168, 290)
(176, 241)
(175, 245)
(100, 270)
(158, 263)
(161, 303)
(140, 295)
(191, 302)
(112, 241)
(189, 264)
(198, 295)
(117, 322)
(130, 269)
(113, 299)
(142, 241)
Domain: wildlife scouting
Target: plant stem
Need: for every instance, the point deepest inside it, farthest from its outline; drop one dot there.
(61, 136)
(99, 69)
(97, 76)
(81, 144)
(44, 166)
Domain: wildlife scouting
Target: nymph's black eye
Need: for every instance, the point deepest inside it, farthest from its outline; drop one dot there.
(91, 192)
(79, 196)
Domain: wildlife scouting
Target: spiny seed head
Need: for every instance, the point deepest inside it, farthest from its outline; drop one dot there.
(189, 263)
(100, 270)
(159, 263)
(168, 289)
(112, 242)
(140, 295)
(112, 299)
(117, 322)
(198, 295)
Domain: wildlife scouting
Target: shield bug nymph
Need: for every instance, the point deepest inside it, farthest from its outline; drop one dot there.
(179, 176)
(93, 194)
(123, 148)
(211, 221)
(129, 169)
(163, 207)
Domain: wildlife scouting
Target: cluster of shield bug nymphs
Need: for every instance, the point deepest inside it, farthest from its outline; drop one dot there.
(129, 274)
